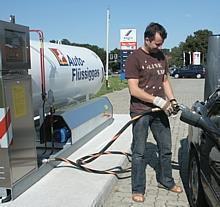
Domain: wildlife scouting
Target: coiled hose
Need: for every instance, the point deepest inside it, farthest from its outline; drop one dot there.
(79, 164)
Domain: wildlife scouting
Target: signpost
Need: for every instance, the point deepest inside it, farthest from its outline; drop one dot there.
(128, 44)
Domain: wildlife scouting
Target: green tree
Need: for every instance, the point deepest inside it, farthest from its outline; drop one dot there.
(53, 41)
(176, 56)
(166, 51)
(65, 42)
(115, 65)
(196, 42)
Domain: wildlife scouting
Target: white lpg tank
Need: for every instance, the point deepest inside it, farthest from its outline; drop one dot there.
(70, 72)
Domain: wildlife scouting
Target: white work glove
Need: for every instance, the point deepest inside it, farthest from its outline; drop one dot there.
(164, 105)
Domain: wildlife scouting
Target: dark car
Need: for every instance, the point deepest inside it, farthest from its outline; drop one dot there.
(190, 71)
(172, 69)
(204, 152)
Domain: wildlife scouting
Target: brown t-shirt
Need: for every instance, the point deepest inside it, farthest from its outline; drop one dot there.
(150, 70)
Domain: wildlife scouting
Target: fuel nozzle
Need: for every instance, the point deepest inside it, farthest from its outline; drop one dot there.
(188, 116)
(193, 118)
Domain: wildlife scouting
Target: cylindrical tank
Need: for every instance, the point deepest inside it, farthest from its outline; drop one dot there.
(70, 72)
(212, 78)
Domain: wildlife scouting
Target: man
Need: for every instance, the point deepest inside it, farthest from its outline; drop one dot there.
(146, 70)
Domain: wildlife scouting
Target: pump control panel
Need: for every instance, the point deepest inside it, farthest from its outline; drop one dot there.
(18, 155)
(15, 46)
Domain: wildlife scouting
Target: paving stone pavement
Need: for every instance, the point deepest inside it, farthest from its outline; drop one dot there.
(187, 91)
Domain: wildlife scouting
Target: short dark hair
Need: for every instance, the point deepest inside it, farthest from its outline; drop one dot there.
(153, 28)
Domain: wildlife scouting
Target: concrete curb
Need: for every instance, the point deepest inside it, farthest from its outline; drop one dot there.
(66, 186)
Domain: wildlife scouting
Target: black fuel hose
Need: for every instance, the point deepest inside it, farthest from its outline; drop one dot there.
(79, 164)
(187, 116)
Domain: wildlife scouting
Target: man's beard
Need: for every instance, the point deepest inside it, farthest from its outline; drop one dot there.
(154, 50)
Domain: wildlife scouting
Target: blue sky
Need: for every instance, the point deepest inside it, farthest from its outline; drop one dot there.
(84, 21)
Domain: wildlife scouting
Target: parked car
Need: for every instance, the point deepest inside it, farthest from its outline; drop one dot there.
(172, 69)
(204, 153)
(190, 71)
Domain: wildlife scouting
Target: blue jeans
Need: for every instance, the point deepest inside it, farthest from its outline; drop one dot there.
(160, 127)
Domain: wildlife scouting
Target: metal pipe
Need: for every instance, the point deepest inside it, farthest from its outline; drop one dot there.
(43, 87)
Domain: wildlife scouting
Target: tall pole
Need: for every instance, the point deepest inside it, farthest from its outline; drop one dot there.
(190, 58)
(107, 52)
(184, 59)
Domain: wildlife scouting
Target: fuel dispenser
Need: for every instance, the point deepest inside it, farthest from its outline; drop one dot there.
(18, 157)
(21, 150)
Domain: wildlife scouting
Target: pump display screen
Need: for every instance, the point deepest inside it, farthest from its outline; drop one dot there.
(15, 47)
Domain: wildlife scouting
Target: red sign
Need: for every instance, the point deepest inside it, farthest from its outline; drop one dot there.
(128, 45)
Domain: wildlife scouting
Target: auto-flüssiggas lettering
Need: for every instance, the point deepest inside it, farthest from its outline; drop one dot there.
(80, 74)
